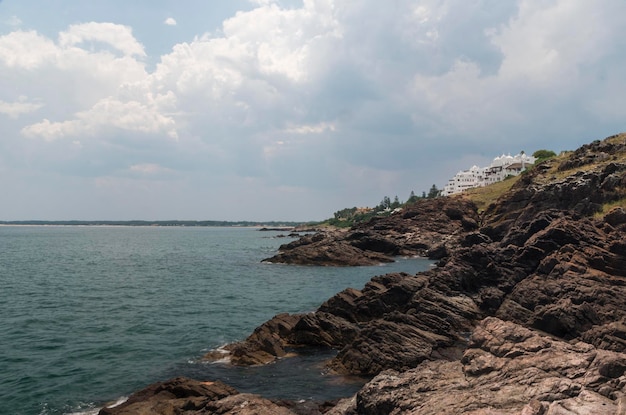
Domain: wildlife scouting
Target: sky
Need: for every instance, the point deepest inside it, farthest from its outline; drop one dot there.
(288, 110)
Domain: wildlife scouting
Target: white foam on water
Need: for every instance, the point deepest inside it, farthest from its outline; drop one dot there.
(94, 411)
(118, 402)
(89, 412)
(219, 350)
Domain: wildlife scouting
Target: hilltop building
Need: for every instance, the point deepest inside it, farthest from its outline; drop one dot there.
(498, 170)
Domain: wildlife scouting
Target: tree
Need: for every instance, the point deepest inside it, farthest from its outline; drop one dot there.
(396, 203)
(385, 203)
(412, 198)
(542, 155)
(433, 192)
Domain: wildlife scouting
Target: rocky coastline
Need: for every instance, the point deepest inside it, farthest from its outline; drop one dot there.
(524, 313)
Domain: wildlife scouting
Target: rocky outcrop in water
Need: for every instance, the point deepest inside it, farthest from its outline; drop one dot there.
(183, 396)
(421, 229)
(525, 312)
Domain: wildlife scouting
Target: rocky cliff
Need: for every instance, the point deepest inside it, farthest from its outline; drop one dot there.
(525, 312)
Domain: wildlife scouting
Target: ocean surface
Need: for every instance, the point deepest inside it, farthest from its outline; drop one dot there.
(90, 314)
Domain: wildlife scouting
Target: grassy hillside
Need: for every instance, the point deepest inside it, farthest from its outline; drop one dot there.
(484, 196)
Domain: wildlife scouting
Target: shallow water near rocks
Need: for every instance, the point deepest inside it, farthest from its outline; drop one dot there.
(90, 314)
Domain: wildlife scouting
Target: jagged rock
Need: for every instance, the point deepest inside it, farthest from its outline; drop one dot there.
(394, 341)
(265, 344)
(609, 336)
(578, 284)
(507, 369)
(323, 329)
(396, 321)
(616, 216)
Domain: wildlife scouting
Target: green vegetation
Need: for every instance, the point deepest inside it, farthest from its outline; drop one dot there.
(542, 155)
(348, 217)
(433, 192)
(607, 207)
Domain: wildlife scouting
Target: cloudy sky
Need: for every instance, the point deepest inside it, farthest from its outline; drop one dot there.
(288, 109)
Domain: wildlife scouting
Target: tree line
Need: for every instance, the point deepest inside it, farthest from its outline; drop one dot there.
(349, 216)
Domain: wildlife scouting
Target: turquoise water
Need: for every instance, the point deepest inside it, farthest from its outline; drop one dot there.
(90, 314)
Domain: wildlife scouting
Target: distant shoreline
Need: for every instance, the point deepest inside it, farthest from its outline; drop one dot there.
(157, 223)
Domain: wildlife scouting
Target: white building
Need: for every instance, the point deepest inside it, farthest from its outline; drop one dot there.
(498, 170)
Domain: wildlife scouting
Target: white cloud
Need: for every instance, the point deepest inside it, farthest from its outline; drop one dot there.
(51, 131)
(117, 36)
(15, 109)
(87, 92)
(26, 50)
(311, 128)
(170, 21)
(107, 114)
(283, 41)
(67, 79)
(149, 169)
(549, 50)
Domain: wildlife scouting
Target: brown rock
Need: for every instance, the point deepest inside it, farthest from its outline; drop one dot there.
(175, 396)
(324, 329)
(396, 321)
(508, 369)
(267, 343)
(616, 216)
(182, 396)
(244, 404)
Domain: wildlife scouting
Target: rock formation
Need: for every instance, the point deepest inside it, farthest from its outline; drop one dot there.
(506, 369)
(525, 312)
(421, 229)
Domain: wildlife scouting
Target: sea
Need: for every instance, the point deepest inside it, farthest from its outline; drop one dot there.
(89, 314)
